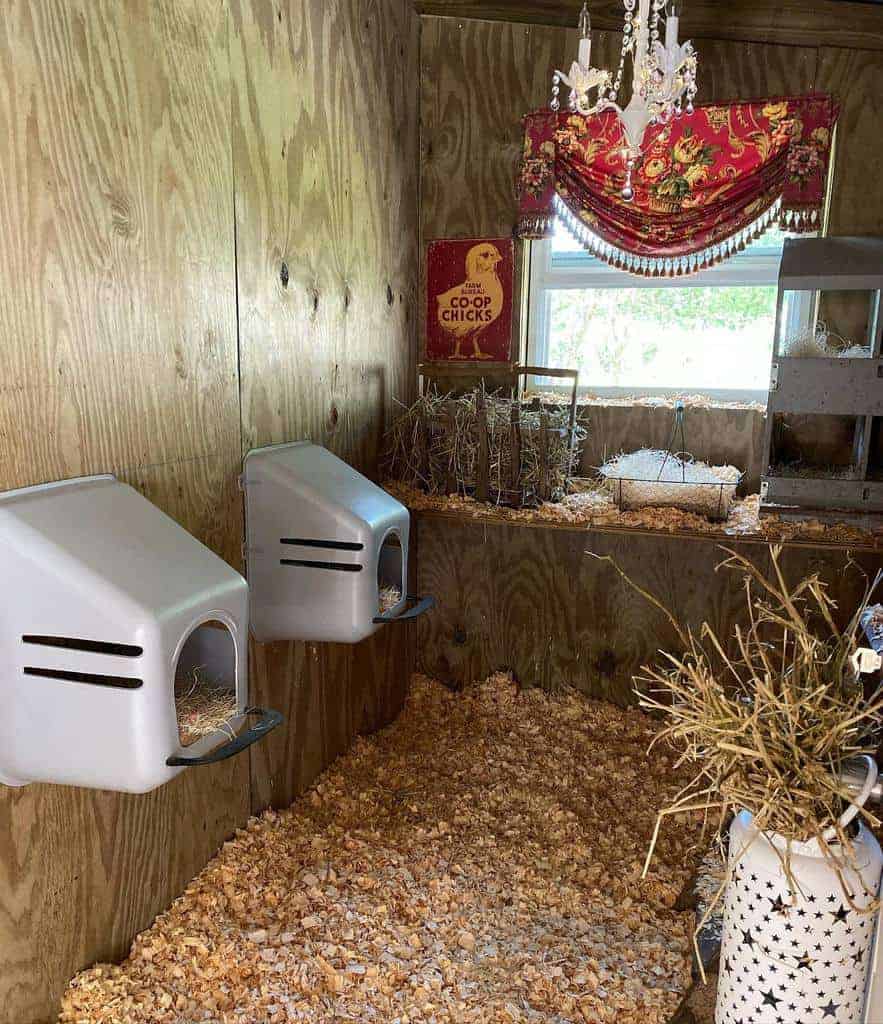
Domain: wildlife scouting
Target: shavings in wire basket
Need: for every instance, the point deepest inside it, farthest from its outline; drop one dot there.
(389, 598)
(651, 477)
(203, 707)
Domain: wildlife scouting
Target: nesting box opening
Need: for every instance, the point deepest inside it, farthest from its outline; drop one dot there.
(390, 573)
(206, 701)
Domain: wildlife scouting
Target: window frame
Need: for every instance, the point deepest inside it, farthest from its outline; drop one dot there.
(580, 271)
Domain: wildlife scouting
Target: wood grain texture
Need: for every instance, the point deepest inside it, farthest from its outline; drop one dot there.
(792, 23)
(535, 601)
(856, 78)
(120, 356)
(115, 214)
(118, 187)
(326, 185)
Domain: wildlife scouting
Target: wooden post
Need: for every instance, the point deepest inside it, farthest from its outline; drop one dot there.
(544, 488)
(423, 464)
(515, 478)
(482, 468)
(450, 428)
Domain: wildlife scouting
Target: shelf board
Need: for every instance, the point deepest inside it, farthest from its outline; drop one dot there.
(824, 492)
(816, 385)
(825, 264)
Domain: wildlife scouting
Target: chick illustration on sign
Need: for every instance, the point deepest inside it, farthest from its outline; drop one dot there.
(467, 309)
(469, 319)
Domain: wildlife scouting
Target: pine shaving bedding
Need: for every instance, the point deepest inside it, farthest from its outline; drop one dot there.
(479, 862)
(653, 478)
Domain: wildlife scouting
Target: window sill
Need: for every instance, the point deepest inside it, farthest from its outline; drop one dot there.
(691, 401)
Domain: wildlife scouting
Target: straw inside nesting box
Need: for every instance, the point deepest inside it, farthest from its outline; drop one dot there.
(202, 706)
(389, 598)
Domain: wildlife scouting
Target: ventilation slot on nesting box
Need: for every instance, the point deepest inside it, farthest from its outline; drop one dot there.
(93, 646)
(327, 549)
(122, 623)
(123, 682)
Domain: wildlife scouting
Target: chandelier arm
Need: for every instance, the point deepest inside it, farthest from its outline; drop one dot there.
(663, 75)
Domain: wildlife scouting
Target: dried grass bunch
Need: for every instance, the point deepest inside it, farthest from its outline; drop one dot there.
(203, 707)
(768, 719)
(819, 342)
(435, 442)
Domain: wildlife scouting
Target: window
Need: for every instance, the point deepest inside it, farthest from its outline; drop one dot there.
(711, 333)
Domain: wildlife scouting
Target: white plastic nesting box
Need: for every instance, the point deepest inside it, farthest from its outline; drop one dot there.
(323, 540)
(106, 598)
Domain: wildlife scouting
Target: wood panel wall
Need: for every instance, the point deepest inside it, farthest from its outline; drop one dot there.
(792, 22)
(152, 149)
(534, 600)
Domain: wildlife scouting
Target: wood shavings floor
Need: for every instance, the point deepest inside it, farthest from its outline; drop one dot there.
(478, 861)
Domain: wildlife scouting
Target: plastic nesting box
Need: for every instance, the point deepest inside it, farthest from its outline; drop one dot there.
(107, 599)
(322, 542)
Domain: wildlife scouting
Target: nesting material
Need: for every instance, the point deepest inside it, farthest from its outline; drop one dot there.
(819, 342)
(203, 707)
(477, 863)
(655, 478)
(389, 598)
(435, 446)
(809, 472)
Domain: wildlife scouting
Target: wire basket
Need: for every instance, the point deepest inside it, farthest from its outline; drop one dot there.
(710, 498)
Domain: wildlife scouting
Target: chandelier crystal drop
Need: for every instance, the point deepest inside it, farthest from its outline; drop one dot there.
(663, 75)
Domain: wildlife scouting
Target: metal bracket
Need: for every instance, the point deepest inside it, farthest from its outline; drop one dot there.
(764, 490)
(774, 377)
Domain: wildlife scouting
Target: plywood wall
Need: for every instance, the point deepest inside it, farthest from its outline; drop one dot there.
(546, 603)
(152, 149)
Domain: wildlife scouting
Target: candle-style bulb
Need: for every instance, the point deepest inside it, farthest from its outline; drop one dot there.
(585, 42)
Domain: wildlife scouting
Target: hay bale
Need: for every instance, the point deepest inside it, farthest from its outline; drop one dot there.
(653, 478)
(435, 444)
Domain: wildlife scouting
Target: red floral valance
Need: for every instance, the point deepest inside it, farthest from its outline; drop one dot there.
(704, 186)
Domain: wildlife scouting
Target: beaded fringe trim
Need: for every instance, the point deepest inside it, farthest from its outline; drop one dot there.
(672, 266)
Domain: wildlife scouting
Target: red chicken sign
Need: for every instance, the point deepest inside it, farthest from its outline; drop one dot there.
(469, 293)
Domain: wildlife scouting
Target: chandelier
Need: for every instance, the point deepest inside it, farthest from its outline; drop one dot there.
(663, 75)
